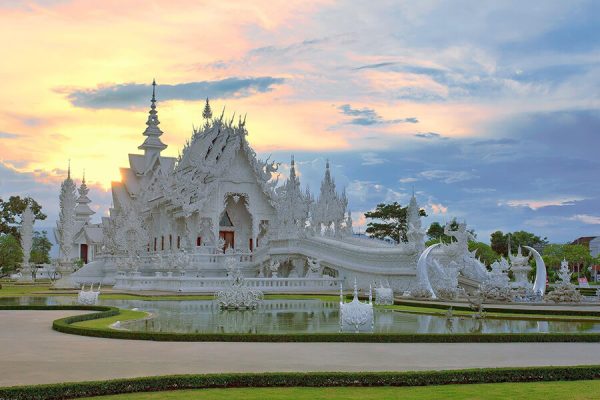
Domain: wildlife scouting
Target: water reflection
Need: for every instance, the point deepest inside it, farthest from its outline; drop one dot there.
(302, 316)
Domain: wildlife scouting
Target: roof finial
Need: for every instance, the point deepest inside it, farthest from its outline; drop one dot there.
(327, 164)
(293, 163)
(83, 179)
(69, 170)
(153, 90)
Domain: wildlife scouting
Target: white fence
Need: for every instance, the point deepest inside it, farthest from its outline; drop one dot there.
(170, 283)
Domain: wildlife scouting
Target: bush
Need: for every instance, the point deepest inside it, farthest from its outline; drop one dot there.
(309, 379)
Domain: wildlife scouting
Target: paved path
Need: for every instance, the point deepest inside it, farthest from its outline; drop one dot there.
(31, 352)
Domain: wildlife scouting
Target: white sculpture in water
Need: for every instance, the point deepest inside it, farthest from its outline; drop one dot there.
(237, 296)
(26, 231)
(384, 295)
(356, 316)
(89, 297)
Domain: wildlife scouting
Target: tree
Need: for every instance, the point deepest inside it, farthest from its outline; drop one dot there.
(393, 225)
(40, 250)
(484, 252)
(499, 241)
(207, 112)
(10, 254)
(578, 256)
(10, 214)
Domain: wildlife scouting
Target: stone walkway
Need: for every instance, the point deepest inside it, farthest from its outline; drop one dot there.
(32, 353)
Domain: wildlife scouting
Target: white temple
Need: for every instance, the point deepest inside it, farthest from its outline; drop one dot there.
(175, 221)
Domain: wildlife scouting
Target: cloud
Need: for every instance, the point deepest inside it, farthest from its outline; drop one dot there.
(495, 142)
(438, 208)
(479, 190)
(371, 159)
(377, 65)
(429, 135)
(535, 204)
(447, 176)
(130, 95)
(6, 135)
(407, 180)
(586, 219)
(368, 116)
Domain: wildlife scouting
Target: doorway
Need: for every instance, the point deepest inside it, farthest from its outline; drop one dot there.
(228, 237)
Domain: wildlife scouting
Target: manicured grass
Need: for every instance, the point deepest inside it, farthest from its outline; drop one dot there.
(15, 290)
(125, 296)
(575, 390)
(104, 323)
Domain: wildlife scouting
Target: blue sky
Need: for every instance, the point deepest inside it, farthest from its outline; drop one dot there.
(490, 110)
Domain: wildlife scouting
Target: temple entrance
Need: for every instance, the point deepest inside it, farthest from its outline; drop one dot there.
(229, 238)
(235, 223)
(83, 253)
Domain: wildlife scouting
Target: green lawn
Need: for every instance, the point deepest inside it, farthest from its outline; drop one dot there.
(14, 290)
(576, 390)
(104, 323)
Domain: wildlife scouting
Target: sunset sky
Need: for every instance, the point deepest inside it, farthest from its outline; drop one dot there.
(489, 109)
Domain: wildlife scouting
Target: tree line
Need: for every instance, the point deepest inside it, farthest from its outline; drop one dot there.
(389, 222)
(11, 254)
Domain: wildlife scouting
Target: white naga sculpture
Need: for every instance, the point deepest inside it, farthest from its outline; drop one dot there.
(26, 230)
(497, 285)
(356, 316)
(89, 297)
(539, 285)
(237, 296)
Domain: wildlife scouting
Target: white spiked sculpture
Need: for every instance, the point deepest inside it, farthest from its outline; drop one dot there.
(65, 229)
(26, 231)
(355, 315)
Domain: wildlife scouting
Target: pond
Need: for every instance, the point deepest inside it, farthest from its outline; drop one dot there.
(302, 316)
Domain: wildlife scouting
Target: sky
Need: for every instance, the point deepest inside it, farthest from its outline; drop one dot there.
(488, 110)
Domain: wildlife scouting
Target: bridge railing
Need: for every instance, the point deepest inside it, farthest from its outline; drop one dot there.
(169, 282)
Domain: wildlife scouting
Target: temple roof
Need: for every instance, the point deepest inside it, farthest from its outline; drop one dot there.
(152, 131)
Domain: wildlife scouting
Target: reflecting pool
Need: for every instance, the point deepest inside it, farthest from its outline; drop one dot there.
(302, 316)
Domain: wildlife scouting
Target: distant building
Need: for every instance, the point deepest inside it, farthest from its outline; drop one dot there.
(584, 241)
(594, 246)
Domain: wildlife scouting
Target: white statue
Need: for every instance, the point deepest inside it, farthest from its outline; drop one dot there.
(315, 270)
(66, 219)
(274, 268)
(26, 230)
(564, 291)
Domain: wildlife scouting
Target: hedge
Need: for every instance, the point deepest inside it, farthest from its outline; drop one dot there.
(65, 325)
(294, 379)
(581, 313)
